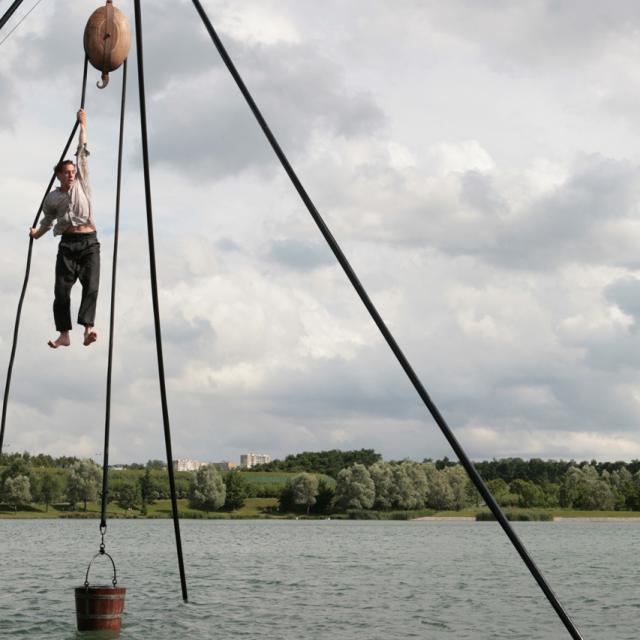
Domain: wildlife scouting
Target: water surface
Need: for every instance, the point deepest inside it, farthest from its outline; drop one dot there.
(337, 580)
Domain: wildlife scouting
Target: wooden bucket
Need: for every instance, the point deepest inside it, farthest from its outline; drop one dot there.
(100, 607)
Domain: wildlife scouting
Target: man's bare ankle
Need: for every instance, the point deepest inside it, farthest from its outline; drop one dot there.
(90, 336)
(61, 341)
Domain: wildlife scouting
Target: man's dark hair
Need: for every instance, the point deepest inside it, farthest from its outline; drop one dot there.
(58, 168)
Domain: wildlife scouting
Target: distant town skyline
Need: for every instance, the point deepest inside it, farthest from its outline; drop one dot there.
(247, 461)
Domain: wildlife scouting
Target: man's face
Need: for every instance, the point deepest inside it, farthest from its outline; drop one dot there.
(67, 176)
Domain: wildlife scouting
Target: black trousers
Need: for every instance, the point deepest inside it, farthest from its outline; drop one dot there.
(78, 258)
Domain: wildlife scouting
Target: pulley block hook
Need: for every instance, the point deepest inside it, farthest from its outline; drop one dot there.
(107, 39)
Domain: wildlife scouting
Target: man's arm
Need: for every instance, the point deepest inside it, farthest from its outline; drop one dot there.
(48, 219)
(38, 232)
(82, 119)
(82, 154)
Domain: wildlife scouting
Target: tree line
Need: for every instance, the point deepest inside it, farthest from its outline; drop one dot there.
(73, 486)
(365, 482)
(409, 485)
(329, 463)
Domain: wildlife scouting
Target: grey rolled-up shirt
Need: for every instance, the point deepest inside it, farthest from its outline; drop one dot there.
(71, 208)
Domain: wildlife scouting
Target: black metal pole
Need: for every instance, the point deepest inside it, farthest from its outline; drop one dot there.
(404, 363)
(9, 12)
(16, 328)
(116, 236)
(154, 295)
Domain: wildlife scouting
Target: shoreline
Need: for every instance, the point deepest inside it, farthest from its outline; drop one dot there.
(597, 519)
(555, 519)
(448, 518)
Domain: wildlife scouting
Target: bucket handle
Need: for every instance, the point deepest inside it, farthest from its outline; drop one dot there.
(113, 564)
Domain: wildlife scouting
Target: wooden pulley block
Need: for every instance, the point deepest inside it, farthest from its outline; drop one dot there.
(107, 40)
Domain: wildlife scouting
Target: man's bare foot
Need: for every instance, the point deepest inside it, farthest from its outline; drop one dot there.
(90, 336)
(62, 340)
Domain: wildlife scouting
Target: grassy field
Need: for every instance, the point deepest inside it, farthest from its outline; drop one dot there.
(253, 508)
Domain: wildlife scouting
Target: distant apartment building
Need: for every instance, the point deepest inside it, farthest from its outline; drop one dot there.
(187, 464)
(248, 460)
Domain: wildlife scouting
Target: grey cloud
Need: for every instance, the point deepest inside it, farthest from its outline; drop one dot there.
(566, 225)
(625, 293)
(559, 227)
(478, 191)
(337, 388)
(300, 255)
(9, 102)
(227, 245)
(613, 353)
(535, 33)
(212, 133)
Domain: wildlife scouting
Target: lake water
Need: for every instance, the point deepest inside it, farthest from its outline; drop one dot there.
(338, 580)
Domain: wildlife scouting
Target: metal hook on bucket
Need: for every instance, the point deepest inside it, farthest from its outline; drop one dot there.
(102, 552)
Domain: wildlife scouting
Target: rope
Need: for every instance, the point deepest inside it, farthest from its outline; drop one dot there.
(404, 363)
(9, 12)
(107, 422)
(154, 295)
(28, 269)
(24, 17)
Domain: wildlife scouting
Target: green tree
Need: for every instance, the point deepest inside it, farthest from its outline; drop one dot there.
(50, 488)
(208, 491)
(409, 485)
(325, 497)
(584, 488)
(571, 488)
(529, 494)
(355, 488)
(147, 493)
(183, 485)
(382, 475)
(326, 462)
(236, 490)
(128, 494)
(438, 494)
(623, 488)
(83, 483)
(304, 487)
(459, 482)
(19, 465)
(17, 492)
(500, 491)
(286, 502)
(598, 494)
(634, 499)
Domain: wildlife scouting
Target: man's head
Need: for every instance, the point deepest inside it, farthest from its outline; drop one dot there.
(65, 171)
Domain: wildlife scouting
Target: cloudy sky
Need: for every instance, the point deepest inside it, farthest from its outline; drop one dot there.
(478, 163)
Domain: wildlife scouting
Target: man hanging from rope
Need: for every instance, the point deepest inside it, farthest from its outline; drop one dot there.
(69, 207)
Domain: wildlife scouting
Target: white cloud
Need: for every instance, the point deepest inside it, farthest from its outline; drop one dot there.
(481, 178)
